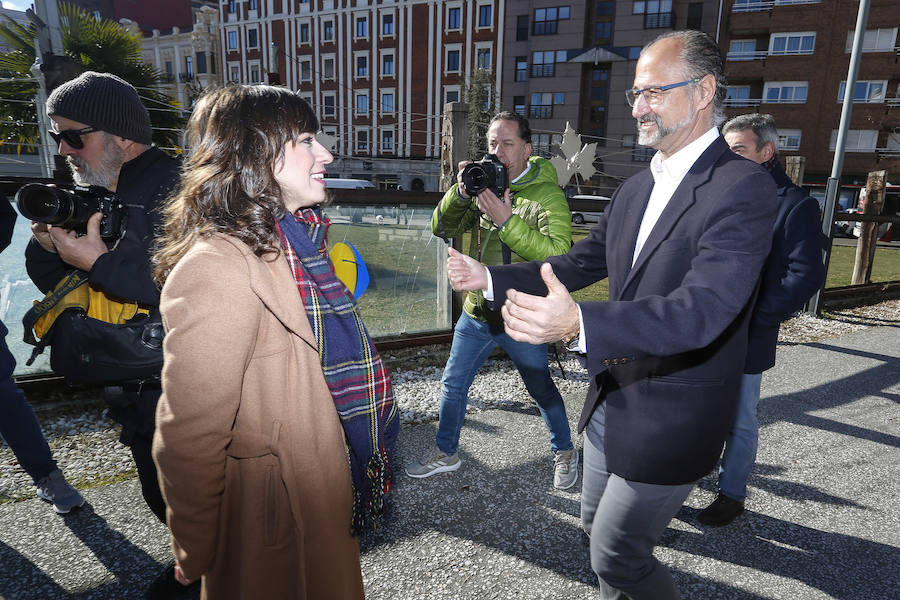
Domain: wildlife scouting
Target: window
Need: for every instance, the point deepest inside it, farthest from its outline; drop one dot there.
(328, 104)
(603, 32)
(695, 16)
(519, 105)
(253, 38)
(306, 69)
(541, 105)
(875, 40)
(328, 30)
(232, 6)
(328, 66)
(254, 74)
(170, 71)
(521, 28)
(232, 40)
(98, 16)
(857, 140)
(362, 65)
(606, 8)
(546, 19)
(542, 142)
(254, 4)
(483, 58)
(451, 95)
(484, 15)
(785, 92)
(201, 62)
(387, 64)
(234, 73)
(453, 17)
(387, 140)
(543, 64)
(387, 102)
(789, 139)
(189, 66)
(521, 68)
(362, 27)
(362, 104)
(792, 43)
(742, 50)
(738, 95)
(387, 25)
(212, 63)
(304, 33)
(657, 13)
(634, 52)
(452, 61)
(865, 91)
(362, 140)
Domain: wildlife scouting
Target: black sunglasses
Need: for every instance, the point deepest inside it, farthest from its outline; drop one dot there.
(72, 137)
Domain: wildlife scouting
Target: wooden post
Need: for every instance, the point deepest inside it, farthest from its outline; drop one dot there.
(795, 166)
(453, 150)
(868, 231)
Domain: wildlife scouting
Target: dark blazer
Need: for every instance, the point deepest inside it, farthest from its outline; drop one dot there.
(794, 270)
(666, 352)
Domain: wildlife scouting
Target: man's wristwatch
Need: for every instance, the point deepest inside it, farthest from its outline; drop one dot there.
(570, 340)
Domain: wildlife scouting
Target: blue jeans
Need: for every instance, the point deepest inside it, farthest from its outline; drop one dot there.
(18, 425)
(473, 342)
(742, 441)
(624, 520)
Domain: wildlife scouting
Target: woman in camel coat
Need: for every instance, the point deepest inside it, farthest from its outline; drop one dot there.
(251, 445)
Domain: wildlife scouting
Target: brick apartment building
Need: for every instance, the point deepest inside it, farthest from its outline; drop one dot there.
(790, 58)
(378, 72)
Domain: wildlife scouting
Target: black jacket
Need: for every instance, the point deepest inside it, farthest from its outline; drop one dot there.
(125, 271)
(793, 271)
(7, 224)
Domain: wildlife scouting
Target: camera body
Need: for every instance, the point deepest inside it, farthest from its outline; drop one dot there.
(72, 209)
(487, 173)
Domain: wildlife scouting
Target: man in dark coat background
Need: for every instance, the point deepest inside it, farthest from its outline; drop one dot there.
(793, 272)
(682, 244)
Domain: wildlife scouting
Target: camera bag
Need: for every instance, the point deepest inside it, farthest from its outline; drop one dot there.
(93, 338)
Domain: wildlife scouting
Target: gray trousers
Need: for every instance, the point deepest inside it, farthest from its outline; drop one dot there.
(624, 520)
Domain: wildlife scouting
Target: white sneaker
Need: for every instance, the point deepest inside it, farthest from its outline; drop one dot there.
(55, 489)
(565, 469)
(437, 461)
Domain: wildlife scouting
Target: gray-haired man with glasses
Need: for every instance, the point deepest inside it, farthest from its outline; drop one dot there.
(686, 241)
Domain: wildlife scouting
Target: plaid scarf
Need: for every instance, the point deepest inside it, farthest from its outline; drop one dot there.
(356, 377)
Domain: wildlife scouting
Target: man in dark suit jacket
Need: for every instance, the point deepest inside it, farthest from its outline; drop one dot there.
(682, 244)
(793, 271)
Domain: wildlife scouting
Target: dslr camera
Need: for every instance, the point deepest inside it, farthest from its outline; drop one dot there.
(487, 173)
(72, 209)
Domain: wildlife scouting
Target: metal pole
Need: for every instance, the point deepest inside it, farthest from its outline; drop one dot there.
(833, 186)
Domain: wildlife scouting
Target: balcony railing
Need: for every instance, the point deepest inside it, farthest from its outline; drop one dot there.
(540, 111)
(743, 102)
(751, 55)
(892, 102)
(762, 5)
(543, 70)
(658, 20)
(887, 152)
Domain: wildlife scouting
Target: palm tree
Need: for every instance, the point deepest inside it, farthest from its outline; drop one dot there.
(92, 45)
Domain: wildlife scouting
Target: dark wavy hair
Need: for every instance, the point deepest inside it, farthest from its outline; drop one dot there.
(235, 139)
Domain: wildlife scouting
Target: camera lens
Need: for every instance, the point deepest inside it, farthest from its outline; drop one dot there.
(44, 204)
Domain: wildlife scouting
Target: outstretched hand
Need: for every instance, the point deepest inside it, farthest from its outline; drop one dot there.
(541, 319)
(466, 274)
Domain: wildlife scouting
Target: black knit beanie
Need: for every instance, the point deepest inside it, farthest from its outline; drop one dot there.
(103, 101)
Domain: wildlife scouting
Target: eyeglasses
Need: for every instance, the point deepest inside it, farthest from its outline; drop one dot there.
(653, 95)
(72, 137)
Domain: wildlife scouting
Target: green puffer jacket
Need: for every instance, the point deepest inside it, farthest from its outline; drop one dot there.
(540, 226)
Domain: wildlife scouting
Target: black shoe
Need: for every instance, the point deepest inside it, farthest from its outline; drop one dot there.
(721, 512)
(166, 587)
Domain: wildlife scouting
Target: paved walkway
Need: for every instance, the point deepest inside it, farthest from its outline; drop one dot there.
(823, 517)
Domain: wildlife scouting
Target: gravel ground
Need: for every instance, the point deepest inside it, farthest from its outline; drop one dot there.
(85, 443)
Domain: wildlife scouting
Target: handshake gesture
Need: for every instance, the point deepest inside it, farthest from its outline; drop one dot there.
(526, 318)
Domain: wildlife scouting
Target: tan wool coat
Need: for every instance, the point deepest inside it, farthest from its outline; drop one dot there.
(251, 454)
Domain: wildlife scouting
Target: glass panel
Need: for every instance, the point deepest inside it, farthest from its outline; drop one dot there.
(17, 295)
(405, 262)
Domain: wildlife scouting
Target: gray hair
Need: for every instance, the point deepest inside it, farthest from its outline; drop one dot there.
(763, 127)
(701, 56)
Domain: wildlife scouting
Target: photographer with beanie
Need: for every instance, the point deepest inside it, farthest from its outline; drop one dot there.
(103, 130)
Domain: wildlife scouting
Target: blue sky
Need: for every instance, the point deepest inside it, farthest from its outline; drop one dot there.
(17, 4)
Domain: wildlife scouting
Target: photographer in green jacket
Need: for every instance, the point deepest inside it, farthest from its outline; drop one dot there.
(531, 221)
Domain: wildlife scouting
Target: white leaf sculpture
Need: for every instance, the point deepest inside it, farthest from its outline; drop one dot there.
(575, 159)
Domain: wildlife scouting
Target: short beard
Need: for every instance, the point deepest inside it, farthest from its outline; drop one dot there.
(106, 173)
